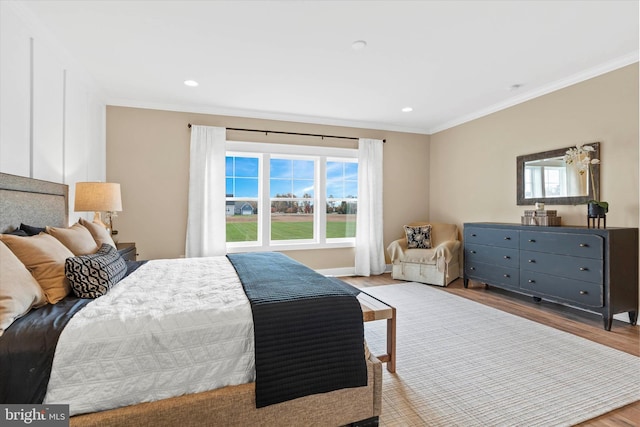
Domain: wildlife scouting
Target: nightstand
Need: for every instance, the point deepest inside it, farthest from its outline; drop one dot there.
(127, 251)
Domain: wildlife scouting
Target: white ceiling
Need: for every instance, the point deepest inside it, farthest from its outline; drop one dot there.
(451, 61)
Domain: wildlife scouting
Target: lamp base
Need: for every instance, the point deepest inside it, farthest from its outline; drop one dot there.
(97, 219)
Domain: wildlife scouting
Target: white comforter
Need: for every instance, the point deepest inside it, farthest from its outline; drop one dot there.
(172, 327)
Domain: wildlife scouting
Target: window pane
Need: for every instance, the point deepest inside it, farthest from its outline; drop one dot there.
(351, 171)
(281, 168)
(341, 219)
(246, 167)
(303, 188)
(242, 221)
(242, 176)
(228, 166)
(303, 169)
(342, 203)
(291, 220)
(229, 187)
(335, 170)
(280, 188)
(351, 190)
(246, 187)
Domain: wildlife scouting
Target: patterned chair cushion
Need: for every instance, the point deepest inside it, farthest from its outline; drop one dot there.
(91, 276)
(418, 237)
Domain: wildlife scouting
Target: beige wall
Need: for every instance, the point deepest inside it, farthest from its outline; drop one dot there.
(148, 154)
(473, 168)
(464, 174)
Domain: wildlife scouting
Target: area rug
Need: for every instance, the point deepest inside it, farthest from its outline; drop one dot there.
(460, 363)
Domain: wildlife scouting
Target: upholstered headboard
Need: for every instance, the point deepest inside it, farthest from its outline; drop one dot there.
(33, 202)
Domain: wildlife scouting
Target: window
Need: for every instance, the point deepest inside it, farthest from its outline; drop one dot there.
(272, 192)
(291, 190)
(242, 189)
(342, 198)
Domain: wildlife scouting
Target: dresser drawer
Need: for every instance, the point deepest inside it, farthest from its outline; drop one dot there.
(491, 236)
(562, 289)
(587, 269)
(492, 274)
(581, 245)
(504, 257)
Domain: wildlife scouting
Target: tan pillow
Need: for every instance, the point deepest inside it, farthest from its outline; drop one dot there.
(19, 291)
(76, 238)
(99, 233)
(44, 256)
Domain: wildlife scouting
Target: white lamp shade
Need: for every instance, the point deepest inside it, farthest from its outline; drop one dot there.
(98, 197)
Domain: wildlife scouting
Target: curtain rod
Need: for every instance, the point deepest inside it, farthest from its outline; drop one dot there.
(292, 133)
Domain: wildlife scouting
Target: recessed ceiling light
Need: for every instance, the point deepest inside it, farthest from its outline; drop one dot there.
(407, 109)
(358, 45)
(191, 83)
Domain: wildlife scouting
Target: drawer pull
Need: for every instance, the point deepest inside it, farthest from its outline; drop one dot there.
(583, 245)
(507, 238)
(507, 257)
(473, 252)
(532, 281)
(584, 269)
(583, 292)
(531, 261)
(532, 240)
(472, 268)
(507, 276)
(474, 235)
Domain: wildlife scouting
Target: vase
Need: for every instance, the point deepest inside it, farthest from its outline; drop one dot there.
(595, 212)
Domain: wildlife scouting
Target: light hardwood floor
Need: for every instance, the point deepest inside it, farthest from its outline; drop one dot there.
(622, 336)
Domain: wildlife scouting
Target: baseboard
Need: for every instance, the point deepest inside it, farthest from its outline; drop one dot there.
(345, 271)
(338, 272)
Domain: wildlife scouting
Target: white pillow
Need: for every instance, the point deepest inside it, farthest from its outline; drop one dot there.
(19, 290)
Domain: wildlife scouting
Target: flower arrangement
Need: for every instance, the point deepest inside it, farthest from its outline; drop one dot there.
(581, 156)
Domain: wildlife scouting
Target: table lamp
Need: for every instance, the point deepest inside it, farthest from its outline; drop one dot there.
(99, 197)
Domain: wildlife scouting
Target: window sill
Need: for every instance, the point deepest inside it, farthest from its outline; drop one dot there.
(289, 247)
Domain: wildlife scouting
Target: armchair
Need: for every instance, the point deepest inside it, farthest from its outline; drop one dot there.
(438, 265)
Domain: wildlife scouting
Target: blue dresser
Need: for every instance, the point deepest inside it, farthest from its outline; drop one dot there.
(592, 269)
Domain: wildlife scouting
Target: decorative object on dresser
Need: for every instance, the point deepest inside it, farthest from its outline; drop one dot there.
(99, 197)
(541, 217)
(595, 212)
(584, 158)
(435, 262)
(127, 251)
(591, 269)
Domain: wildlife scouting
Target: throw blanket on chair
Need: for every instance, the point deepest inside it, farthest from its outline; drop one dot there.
(309, 335)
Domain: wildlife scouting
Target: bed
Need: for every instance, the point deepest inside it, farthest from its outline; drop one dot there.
(24, 200)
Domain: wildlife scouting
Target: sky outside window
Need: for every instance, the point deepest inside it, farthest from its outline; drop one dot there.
(342, 180)
(291, 177)
(241, 176)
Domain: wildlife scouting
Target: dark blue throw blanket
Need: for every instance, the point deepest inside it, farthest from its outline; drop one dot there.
(27, 348)
(309, 335)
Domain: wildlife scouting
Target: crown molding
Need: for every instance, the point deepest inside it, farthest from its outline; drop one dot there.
(590, 73)
(265, 115)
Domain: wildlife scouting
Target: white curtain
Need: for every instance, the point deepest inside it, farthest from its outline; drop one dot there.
(369, 239)
(206, 223)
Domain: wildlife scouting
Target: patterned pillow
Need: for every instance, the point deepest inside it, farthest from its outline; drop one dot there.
(91, 276)
(418, 237)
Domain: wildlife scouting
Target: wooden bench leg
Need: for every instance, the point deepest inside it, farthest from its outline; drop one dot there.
(391, 341)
